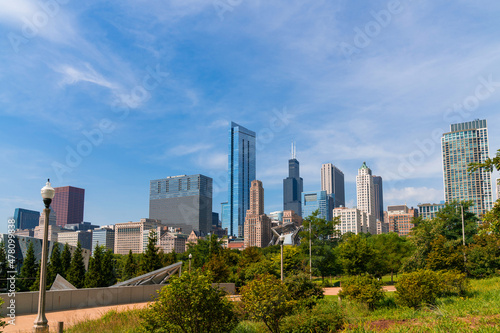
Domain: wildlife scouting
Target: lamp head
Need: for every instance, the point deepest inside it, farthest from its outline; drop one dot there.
(282, 238)
(190, 256)
(48, 194)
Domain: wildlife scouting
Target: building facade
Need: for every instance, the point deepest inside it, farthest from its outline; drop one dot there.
(365, 191)
(400, 219)
(379, 197)
(289, 216)
(182, 202)
(332, 181)
(73, 237)
(293, 186)
(351, 220)
(312, 201)
(129, 235)
(428, 211)
(68, 203)
(241, 172)
(103, 237)
(467, 143)
(257, 224)
(26, 219)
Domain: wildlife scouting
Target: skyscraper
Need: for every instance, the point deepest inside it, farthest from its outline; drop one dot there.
(68, 203)
(332, 181)
(467, 143)
(241, 172)
(182, 202)
(257, 224)
(365, 191)
(26, 219)
(312, 201)
(379, 197)
(293, 186)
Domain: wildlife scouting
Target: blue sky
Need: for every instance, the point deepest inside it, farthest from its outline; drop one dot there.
(107, 96)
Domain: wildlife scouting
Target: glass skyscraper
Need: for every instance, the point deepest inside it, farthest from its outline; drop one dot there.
(26, 219)
(241, 173)
(293, 186)
(312, 201)
(467, 143)
(332, 181)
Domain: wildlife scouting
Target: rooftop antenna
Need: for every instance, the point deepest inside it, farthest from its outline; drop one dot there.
(293, 150)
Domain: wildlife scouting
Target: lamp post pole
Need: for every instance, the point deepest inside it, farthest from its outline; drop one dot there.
(463, 235)
(282, 239)
(310, 251)
(190, 256)
(41, 323)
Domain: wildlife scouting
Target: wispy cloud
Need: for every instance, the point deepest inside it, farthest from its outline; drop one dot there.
(72, 75)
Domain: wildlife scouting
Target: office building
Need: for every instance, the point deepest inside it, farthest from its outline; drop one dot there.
(276, 216)
(241, 172)
(382, 227)
(351, 220)
(312, 201)
(289, 216)
(379, 197)
(129, 235)
(400, 219)
(73, 237)
(257, 224)
(182, 202)
(332, 181)
(53, 228)
(293, 186)
(68, 203)
(428, 211)
(103, 237)
(172, 242)
(26, 219)
(467, 143)
(365, 190)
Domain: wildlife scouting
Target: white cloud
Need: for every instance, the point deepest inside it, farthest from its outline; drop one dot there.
(72, 75)
(182, 150)
(412, 195)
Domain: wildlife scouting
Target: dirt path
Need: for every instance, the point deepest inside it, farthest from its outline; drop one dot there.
(335, 291)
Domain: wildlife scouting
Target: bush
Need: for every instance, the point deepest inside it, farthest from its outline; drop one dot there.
(425, 286)
(267, 299)
(303, 290)
(324, 317)
(190, 304)
(363, 289)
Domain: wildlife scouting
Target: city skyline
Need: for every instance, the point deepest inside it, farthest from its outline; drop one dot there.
(108, 102)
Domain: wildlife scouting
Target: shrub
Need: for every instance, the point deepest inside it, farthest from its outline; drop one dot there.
(324, 317)
(363, 289)
(303, 290)
(190, 304)
(267, 299)
(419, 287)
(454, 283)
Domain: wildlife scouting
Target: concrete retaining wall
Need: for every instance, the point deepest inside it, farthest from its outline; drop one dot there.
(27, 302)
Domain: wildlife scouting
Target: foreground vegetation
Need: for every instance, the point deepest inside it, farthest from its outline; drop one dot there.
(478, 311)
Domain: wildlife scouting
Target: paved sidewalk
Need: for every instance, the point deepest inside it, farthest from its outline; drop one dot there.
(24, 323)
(335, 291)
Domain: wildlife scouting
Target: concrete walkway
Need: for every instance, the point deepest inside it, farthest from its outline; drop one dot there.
(24, 323)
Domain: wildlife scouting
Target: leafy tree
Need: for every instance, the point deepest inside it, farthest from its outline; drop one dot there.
(267, 299)
(28, 270)
(108, 268)
(203, 250)
(364, 289)
(293, 261)
(218, 268)
(249, 256)
(76, 272)
(304, 290)
(54, 266)
(65, 260)
(446, 255)
(483, 256)
(487, 165)
(492, 218)
(170, 258)
(94, 277)
(190, 304)
(392, 249)
(130, 267)
(324, 237)
(151, 260)
(355, 254)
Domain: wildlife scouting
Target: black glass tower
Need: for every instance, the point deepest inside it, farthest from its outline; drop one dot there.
(293, 186)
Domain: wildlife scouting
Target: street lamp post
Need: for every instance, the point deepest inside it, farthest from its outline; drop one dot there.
(41, 323)
(310, 251)
(190, 256)
(282, 240)
(463, 235)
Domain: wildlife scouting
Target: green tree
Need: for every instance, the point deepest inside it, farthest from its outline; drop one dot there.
(324, 237)
(190, 304)
(108, 268)
(94, 277)
(169, 258)
(28, 270)
(204, 249)
(293, 261)
(76, 272)
(365, 289)
(487, 165)
(130, 267)
(267, 299)
(355, 255)
(483, 256)
(65, 260)
(54, 266)
(392, 250)
(151, 260)
(218, 268)
(446, 255)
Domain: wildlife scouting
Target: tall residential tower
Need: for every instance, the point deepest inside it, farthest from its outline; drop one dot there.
(68, 203)
(257, 224)
(241, 172)
(467, 143)
(332, 181)
(293, 186)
